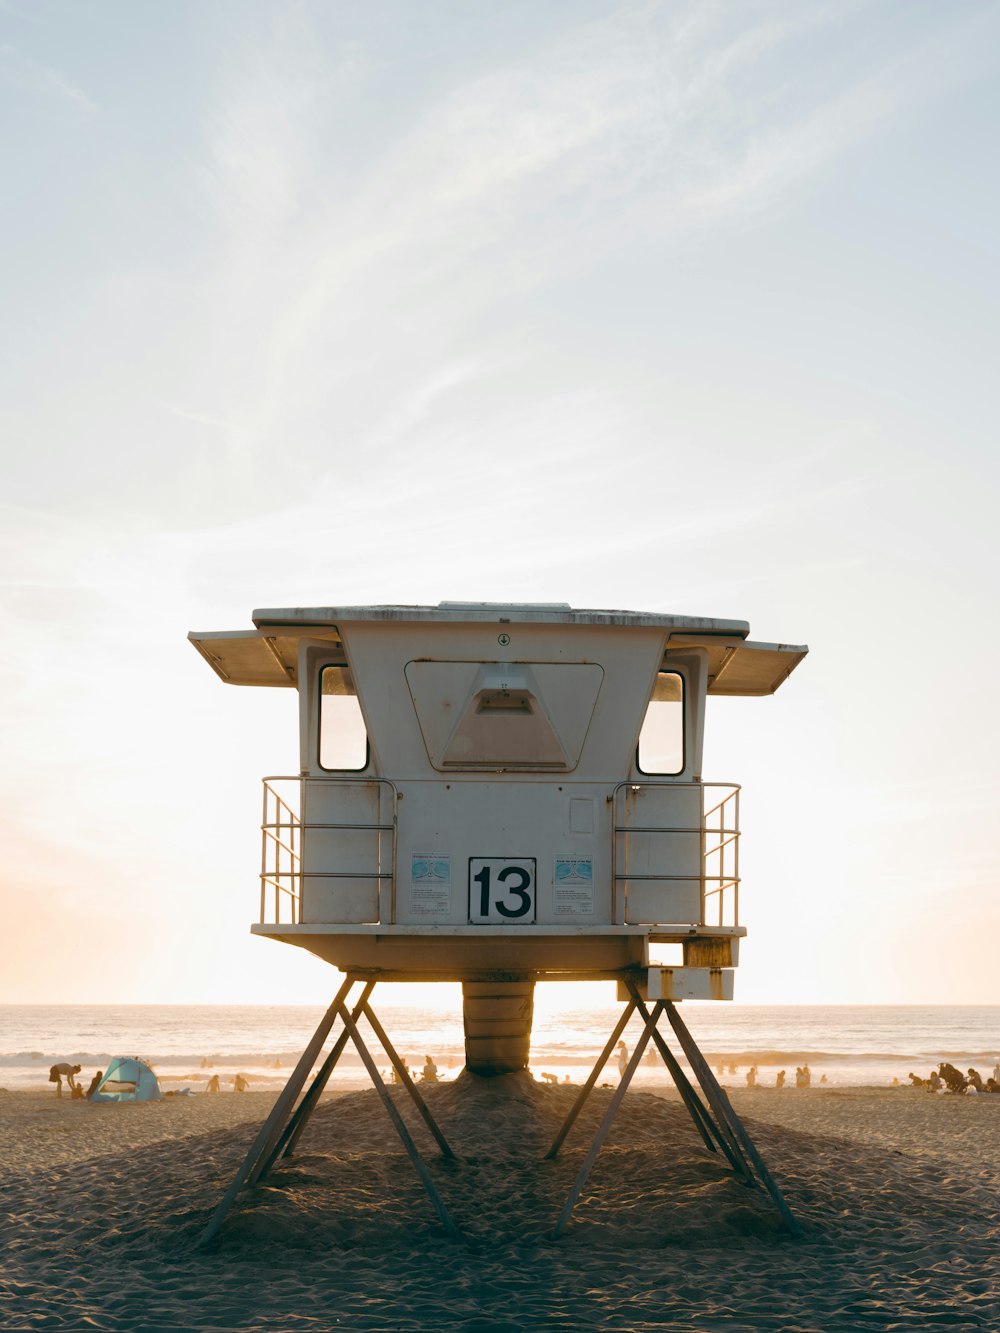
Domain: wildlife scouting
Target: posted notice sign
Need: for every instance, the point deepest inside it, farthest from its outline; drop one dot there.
(430, 884)
(573, 886)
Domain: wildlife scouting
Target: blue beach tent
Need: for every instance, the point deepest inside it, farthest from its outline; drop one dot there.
(127, 1080)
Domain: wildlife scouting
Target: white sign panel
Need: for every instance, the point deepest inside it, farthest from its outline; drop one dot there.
(573, 886)
(501, 890)
(430, 884)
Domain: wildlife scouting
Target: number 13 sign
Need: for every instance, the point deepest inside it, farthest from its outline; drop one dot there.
(501, 890)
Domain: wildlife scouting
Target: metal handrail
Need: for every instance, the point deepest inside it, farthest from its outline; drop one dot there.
(272, 843)
(282, 832)
(715, 880)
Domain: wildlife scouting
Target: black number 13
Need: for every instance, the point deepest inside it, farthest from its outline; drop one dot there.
(520, 891)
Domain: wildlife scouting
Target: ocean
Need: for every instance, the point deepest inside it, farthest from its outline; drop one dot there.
(848, 1045)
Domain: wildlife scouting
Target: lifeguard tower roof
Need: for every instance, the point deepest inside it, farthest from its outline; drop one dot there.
(268, 656)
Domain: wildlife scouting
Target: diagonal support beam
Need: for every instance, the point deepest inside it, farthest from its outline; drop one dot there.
(398, 1125)
(711, 1133)
(408, 1083)
(605, 1125)
(587, 1088)
(723, 1108)
(303, 1112)
(264, 1143)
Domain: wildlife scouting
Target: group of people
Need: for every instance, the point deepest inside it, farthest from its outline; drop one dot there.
(803, 1076)
(429, 1073)
(240, 1084)
(946, 1077)
(65, 1070)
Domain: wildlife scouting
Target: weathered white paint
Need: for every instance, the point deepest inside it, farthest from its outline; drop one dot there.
(689, 983)
(503, 747)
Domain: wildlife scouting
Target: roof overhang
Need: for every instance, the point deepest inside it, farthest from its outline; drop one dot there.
(268, 654)
(258, 657)
(741, 667)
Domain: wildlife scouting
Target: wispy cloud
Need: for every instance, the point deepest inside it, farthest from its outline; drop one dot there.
(647, 123)
(42, 80)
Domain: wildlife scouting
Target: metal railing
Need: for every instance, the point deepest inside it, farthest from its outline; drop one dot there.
(283, 832)
(280, 854)
(719, 831)
(721, 839)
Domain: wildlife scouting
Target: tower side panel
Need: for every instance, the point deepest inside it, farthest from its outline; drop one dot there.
(455, 839)
(345, 851)
(658, 853)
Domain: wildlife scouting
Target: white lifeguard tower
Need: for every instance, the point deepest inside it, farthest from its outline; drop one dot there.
(497, 795)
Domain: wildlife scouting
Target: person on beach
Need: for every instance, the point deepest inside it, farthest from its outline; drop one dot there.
(95, 1083)
(429, 1073)
(934, 1081)
(976, 1080)
(752, 1076)
(954, 1080)
(213, 1084)
(779, 1082)
(622, 1050)
(240, 1084)
(64, 1071)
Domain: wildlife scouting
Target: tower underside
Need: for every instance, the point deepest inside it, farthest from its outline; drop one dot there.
(498, 972)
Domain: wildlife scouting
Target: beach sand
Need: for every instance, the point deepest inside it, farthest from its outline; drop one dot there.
(898, 1192)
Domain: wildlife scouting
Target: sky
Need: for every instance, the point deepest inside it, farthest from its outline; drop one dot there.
(686, 307)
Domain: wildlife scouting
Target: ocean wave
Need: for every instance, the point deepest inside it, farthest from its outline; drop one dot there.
(553, 1052)
(258, 1059)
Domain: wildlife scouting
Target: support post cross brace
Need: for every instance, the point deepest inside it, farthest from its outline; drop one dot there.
(718, 1124)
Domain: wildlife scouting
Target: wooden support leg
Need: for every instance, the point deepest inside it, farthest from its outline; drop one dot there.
(722, 1106)
(605, 1125)
(587, 1088)
(303, 1112)
(711, 1133)
(273, 1125)
(408, 1082)
(398, 1124)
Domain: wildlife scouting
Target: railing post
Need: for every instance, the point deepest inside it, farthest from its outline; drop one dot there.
(736, 861)
(392, 883)
(297, 844)
(614, 855)
(263, 859)
(704, 855)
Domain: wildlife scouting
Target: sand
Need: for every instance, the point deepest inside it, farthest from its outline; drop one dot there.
(898, 1192)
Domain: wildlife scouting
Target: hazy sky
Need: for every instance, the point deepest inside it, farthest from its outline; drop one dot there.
(686, 306)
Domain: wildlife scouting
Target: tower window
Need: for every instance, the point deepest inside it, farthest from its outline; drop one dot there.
(661, 740)
(343, 739)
